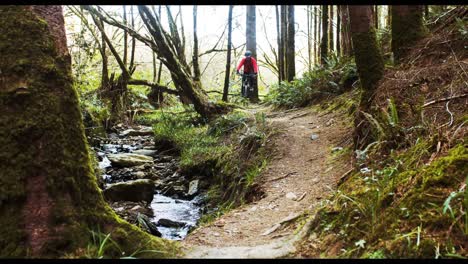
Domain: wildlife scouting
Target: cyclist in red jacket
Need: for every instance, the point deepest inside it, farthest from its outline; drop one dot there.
(250, 71)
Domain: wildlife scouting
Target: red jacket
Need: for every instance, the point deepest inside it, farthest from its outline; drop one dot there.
(248, 66)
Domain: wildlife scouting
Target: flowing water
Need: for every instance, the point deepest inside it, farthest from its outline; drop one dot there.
(179, 210)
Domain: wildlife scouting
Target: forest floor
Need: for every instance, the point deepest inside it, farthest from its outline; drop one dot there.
(301, 173)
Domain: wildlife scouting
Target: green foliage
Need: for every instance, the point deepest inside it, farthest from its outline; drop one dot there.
(336, 76)
(400, 206)
(462, 26)
(228, 150)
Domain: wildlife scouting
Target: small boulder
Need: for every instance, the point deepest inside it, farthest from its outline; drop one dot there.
(139, 174)
(146, 152)
(291, 195)
(145, 131)
(137, 190)
(170, 223)
(314, 136)
(128, 159)
(145, 223)
(193, 187)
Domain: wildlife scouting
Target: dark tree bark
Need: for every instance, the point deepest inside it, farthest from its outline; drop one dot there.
(338, 31)
(407, 28)
(132, 52)
(290, 51)
(331, 44)
(228, 56)
(251, 44)
(125, 38)
(370, 66)
(309, 38)
(49, 197)
(426, 12)
(324, 41)
(105, 65)
(196, 65)
(376, 16)
(280, 50)
(345, 31)
(284, 19)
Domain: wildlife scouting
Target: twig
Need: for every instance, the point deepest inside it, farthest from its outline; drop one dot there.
(302, 197)
(444, 99)
(344, 176)
(282, 177)
(451, 115)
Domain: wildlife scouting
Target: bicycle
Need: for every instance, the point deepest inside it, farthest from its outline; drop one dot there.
(247, 83)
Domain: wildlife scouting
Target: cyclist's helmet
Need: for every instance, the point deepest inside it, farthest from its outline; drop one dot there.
(248, 53)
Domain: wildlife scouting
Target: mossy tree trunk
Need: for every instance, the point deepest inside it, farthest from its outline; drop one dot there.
(324, 41)
(49, 197)
(407, 28)
(369, 63)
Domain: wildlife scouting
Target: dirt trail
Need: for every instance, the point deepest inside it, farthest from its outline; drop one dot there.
(301, 166)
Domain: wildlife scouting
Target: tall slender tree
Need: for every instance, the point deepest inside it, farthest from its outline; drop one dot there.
(290, 49)
(345, 31)
(251, 43)
(196, 65)
(324, 41)
(284, 21)
(316, 33)
(228, 57)
(369, 64)
(338, 31)
(331, 44)
(280, 47)
(309, 37)
(407, 28)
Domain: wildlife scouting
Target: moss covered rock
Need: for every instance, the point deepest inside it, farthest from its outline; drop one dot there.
(135, 191)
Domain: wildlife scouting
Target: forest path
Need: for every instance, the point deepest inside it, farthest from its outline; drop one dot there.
(298, 176)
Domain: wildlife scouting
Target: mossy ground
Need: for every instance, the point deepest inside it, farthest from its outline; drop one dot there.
(228, 152)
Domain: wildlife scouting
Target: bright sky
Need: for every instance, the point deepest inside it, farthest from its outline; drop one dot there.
(212, 20)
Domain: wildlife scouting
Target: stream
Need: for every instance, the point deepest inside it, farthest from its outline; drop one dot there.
(176, 204)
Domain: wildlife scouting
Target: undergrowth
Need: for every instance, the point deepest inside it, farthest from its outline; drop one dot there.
(228, 152)
(335, 77)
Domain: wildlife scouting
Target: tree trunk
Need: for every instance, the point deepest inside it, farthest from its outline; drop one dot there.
(280, 50)
(290, 51)
(369, 64)
(125, 38)
(345, 31)
(228, 57)
(407, 28)
(131, 68)
(331, 44)
(284, 18)
(316, 33)
(181, 77)
(324, 41)
(49, 197)
(376, 17)
(426, 12)
(309, 38)
(251, 44)
(196, 65)
(105, 65)
(338, 31)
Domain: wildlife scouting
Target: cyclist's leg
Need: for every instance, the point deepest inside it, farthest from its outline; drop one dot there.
(243, 86)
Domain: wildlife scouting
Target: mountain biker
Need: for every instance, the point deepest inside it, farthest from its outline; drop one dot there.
(250, 70)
